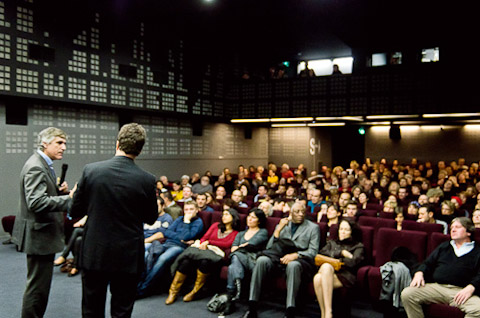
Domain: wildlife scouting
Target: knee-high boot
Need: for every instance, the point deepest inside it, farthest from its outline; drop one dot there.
(199, 282)
(175, 287)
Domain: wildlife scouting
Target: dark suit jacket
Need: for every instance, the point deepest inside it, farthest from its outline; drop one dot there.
(118, 198)
(306, 238)
(37, 230)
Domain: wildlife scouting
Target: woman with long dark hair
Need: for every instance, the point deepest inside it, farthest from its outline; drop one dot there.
(347, 248)
(244, 250)
(205, 255)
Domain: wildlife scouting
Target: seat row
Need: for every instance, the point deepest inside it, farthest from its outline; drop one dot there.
(380, 237)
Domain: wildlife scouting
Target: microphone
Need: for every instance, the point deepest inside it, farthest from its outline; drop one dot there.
(64, 172)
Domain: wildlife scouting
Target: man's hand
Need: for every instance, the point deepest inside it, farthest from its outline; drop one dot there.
(72, 192)
(190, 242)
(288, 258)
(63, 187)
(283, 222)
(418, 280)
(462, 296)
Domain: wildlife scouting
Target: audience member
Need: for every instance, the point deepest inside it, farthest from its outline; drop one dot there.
(160, 255)
(348, 249)
(237, 197)
(202, 203)
(426, 214)
(157, 230)
(292, 248)
(261, 193)
(244, 251)
(450, 275)
(171, 207)
(204, 256)
(177, 191)
(316, 200)
(187, 194)
(266, 207)
(202, 186)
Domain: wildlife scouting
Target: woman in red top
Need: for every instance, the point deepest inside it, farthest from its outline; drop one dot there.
(205, 255)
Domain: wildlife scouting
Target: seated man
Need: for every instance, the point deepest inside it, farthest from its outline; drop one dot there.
(261, 193)
(220, 193)
(171, 207)
(450, 275)
(298, 262)
(237, 197)
(426, 215)
(316, 200)
(187, 194)
(161, 255)
(202, 203)
(343, 200)
(157, 230)
(266, 207)
(352, 210)
(203, 186)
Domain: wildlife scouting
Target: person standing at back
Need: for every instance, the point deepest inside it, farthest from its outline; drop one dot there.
(118, 198)
(38, 228)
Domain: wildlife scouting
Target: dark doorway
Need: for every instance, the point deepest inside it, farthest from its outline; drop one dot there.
(347, 145)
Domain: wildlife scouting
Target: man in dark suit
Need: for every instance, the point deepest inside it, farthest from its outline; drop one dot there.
(38, 229)
(291, 249)
(118, 198)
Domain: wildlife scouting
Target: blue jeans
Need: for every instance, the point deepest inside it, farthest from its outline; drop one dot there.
(167, 255)
(235, 271)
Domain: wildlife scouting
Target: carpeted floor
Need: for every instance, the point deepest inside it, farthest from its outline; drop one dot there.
(65, 297)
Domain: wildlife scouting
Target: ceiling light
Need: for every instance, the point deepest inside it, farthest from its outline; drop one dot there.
(291, 119)
(349, 118)
(390, 116)
(378, 123)
(288, 125)
(325, 124)
(352, 118)
(450, 115)
(250, 120)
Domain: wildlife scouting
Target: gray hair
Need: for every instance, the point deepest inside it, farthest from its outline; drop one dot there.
(47, 135)
(467, 223)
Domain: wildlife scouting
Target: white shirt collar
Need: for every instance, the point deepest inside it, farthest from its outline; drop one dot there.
(465, 248)
(44, 156)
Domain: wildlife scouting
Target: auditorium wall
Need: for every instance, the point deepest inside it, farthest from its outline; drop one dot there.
(434, 143)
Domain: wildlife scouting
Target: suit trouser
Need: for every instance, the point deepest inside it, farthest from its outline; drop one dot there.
(39, 280)
(414, 297)
(263, 266)
(123, 288)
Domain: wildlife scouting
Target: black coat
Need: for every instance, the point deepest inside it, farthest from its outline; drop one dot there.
(118, 198)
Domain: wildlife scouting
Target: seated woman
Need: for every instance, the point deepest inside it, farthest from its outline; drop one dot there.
(399, 218)
(322, 212)
(205, 256)
(72, 246)
(362, 201)
(161, 255)
(476, 218)
(333, 215)
(349, 250)
(244, 250)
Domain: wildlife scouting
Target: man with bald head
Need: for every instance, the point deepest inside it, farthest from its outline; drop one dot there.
(292, 249)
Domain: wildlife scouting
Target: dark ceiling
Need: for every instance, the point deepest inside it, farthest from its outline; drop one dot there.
(281, 29)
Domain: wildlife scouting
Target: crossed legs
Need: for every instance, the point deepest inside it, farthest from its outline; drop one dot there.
(324, 282)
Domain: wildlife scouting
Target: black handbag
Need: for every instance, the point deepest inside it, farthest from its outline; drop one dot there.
(220, 303)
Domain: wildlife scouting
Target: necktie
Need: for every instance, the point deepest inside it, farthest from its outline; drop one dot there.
(53, 173)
